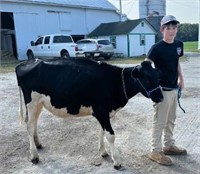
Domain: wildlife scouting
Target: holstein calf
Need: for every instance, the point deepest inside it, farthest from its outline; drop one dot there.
(82, 87)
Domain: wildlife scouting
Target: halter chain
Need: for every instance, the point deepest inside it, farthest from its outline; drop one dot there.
(123, 84)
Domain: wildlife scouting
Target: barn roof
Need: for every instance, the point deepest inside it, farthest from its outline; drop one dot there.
(95, 4)
(117, 28)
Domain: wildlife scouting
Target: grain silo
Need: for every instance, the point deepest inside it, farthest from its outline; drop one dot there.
(152, 8)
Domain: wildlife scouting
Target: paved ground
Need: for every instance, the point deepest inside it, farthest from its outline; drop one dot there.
(70, 145)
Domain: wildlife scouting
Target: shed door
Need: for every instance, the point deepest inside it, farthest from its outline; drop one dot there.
(25, 28)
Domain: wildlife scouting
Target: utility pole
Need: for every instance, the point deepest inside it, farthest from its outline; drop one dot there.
(120, 9)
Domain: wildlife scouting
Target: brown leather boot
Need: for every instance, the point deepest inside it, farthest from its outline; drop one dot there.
(173, 150)
(160, 158)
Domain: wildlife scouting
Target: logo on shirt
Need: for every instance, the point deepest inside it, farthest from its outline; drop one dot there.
(179, 50)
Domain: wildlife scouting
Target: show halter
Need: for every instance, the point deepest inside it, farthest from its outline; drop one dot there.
(149, 92)
(124, 86)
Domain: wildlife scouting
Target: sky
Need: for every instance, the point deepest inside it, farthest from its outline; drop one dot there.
(186, 11)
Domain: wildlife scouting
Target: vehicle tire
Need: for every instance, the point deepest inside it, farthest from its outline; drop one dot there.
(30, 55)
(65, 55)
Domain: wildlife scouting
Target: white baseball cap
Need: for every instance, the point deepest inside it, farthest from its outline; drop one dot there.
(167, 19)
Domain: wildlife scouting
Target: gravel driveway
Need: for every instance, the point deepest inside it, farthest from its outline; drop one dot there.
(71, 146)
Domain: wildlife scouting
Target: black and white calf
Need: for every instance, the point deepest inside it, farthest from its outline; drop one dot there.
(82, 87)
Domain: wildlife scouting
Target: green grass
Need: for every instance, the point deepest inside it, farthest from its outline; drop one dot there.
(9, 66)
(6, 66)
(191, 46)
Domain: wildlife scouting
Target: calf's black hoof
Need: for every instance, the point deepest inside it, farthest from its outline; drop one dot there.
(118, 167)
(39, 146)
(105, 155)
(35, 160)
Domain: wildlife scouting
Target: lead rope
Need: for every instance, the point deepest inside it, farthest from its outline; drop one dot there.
(178, 98)
(123, 84)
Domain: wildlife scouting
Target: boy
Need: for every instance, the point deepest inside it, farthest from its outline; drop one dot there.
(165, 56)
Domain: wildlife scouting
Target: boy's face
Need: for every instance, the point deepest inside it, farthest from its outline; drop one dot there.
(169, 32)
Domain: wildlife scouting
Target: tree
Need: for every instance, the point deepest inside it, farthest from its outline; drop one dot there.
(188, 32)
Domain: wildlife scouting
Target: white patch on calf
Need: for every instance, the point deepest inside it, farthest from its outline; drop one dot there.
(114, 152)
(62, 112)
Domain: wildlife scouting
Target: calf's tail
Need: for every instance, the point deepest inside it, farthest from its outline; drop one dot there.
(20, 107)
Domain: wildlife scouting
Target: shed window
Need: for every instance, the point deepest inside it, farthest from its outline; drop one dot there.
(142, 39)
(113, 41)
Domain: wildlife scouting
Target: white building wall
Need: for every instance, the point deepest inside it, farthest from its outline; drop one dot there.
(122, 45)
(32, 20)
(95, 18)
(135, 48)
(143, 29)
(149, 42)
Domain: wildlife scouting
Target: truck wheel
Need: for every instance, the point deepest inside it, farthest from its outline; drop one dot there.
(65, 55)
(30, 55)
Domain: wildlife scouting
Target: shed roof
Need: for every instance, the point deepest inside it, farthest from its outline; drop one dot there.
(95, 4)
(117, 28)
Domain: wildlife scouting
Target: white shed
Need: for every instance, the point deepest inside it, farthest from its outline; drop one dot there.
(130, 38)
(25, 20)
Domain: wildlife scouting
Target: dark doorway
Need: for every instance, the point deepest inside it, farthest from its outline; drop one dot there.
(8, 41)
(77, 37)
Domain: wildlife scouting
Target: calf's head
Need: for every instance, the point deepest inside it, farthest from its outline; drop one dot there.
(147, 79)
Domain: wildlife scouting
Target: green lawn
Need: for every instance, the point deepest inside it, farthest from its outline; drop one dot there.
(191, 46)
(188, 47)
(7, 67)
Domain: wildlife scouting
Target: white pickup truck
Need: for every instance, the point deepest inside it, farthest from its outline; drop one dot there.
(54, 45)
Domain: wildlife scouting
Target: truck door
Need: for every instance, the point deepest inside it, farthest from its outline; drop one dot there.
(46, 47)
(38, 48)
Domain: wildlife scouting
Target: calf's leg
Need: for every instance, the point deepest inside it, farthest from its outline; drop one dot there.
(114, 151)
(104, 120)
(32, 122)
(37, 114)
(101, 142)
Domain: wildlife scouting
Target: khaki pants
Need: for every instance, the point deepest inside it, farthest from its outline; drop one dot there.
(163, 121)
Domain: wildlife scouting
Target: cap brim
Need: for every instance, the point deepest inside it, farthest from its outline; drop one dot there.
(173, 21)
